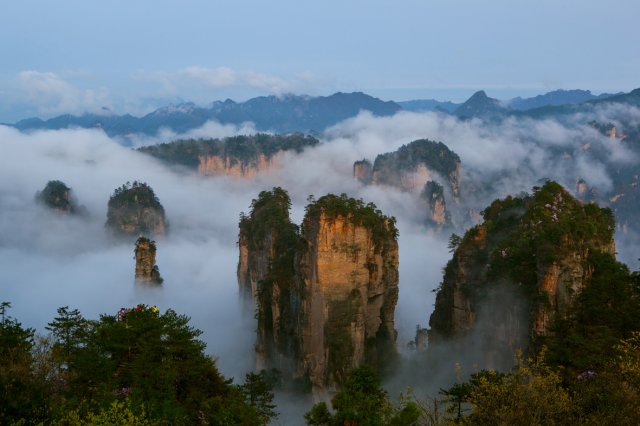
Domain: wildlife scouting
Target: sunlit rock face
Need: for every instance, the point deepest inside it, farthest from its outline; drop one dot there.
(134, 210)
(524, 266)
(238, 156)
(350, 282)
(325, 297)
(214, 165)
(146, 269)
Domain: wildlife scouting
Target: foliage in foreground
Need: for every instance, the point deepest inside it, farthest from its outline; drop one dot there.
(137, 367)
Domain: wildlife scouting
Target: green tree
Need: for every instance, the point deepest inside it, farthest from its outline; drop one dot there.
(22, 394)
(258, 392)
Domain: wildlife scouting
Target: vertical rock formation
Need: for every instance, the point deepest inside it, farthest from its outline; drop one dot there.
(146, 269)
(423, 167)
(135, 210)
(362, 171)
(268, 243)
(57, 196)
(512, 275)
(433, 195)
(325, 298)
(349, 273)
(411, 166)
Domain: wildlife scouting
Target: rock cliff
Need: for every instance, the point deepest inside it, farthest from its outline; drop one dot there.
(362, 171)
(433, 196)
(325, 297)
(146, 269)
(349, 273)
(238, 156)
(134, 210)
(513, 274)
(57, 196)
(268, 242)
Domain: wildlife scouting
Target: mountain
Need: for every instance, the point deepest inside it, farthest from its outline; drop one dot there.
(420, 105)
(520, 270)
(324, 294)
(632, 98)
(556, 97)
(481, 106)
(238, 156)
(284, 114)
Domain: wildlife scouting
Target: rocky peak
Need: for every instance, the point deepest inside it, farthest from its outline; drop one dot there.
(433, 196)
(57, 196)
(134, 210)
(480, 105)
(522, 267)
(413, 165)
(325, 296)
(362, 171)
(146, 269)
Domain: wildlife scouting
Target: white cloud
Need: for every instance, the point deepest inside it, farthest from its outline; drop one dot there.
(51, 94)
(211, 77)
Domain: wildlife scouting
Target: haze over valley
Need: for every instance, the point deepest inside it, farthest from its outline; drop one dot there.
(328, 221)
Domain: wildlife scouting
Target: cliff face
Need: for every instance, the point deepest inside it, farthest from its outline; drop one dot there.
(413, 165)
(433, 196)
(524, 266)
(362, 171)
(238, 156)
(146, 269)
(214, 165)
(350, 281)
(325, 298)
(268, 242)
(134, 210)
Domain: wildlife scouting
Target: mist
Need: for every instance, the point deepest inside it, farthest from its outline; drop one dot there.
(49, 260)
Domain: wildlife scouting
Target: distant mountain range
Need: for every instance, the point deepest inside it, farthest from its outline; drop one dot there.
(268, 113)
(306, 114)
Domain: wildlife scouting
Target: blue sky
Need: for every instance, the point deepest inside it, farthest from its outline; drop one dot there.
(74, 56)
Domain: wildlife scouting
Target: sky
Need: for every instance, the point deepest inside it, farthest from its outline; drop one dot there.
(75, 56)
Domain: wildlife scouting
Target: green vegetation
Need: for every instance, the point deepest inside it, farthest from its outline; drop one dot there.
(383, 228)
(57, 195)
(134, 209)
(244, 149)
(520, 237)
(363, 402)
(136, 367)
(269, 229)
(436, 156)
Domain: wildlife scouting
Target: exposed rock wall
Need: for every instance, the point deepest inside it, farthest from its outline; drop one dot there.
(362, 171)
(214, 165)
(325, 298)
(524, 266)
(268, 242)
(433, 195)
(146, 268)
(413, 165)
(350, 294)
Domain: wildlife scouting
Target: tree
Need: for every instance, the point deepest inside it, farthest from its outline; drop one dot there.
(258, 392)
(21, 393)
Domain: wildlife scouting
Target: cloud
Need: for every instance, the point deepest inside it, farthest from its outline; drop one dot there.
(211, 77)
(48, 260)
(51, 94)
